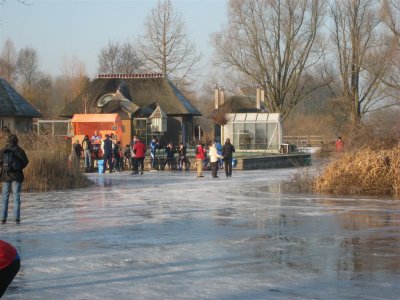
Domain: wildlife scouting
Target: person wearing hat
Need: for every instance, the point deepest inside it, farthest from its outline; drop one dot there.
(227, 153)
(12, 162)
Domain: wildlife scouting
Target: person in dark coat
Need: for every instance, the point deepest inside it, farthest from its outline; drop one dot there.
(227, 153)
(181, 157)
(9, 265)
(107, 149)
(87, 155)
(170, 159)
(12, 178)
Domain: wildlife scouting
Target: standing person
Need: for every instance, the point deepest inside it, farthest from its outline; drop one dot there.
(107, 149)
(219, 151)
(133, 162)
(170, 159)
(12, 162)
(76, 151)
(154, 145)
(9, 265)
(214, 156)
(199, 159)
(87, 156)
(96, 141)
(339, 144)
(205, 159)
(227, 153)
(127, 157)
(139, 148)
(117, 156)
(181, 157)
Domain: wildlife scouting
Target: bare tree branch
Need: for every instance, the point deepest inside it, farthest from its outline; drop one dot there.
(165, 47)
(275, 43)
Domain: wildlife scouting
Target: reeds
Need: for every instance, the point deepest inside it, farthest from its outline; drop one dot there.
(373, 172)
(49, 167)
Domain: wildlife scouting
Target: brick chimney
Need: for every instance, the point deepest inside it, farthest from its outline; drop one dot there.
(216, 97)
(262, 96)
(221, 96)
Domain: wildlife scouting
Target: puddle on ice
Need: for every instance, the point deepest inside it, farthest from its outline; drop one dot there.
(172, 236)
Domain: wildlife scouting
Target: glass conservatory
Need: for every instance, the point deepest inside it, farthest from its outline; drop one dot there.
(254, 132)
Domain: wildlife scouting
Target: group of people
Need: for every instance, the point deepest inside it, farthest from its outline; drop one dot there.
(110, 147)
(215, 155)
(133, 155)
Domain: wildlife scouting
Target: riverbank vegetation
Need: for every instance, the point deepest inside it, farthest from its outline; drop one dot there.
(369, 165)
(49, 167)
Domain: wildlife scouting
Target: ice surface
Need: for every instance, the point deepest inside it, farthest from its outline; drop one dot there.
(173, 236)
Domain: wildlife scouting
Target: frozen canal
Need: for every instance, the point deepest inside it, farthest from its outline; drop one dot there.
(172, 236)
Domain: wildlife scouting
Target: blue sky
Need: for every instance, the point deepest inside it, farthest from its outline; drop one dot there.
(60, 29)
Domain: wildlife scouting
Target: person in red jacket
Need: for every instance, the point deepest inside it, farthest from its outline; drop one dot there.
(139, 148)
(339, 144)
(199, 159)
(9, 265)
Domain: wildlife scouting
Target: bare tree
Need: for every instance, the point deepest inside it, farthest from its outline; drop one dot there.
(391, 15)
(273, 43)
(76, 76)
(362, 55)
(8, 62)
(117, 58)
(28, 69)
(165, 46)
(34, 86)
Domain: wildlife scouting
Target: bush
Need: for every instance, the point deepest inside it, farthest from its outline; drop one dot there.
(302, 182)
(48, 167)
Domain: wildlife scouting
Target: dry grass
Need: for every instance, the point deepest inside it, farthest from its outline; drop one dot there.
(368, 171)
(48, 167)
(302, 182)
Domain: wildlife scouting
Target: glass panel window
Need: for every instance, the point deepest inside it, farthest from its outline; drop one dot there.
(261, 135)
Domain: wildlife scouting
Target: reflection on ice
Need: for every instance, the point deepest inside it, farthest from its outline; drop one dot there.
(172, 236)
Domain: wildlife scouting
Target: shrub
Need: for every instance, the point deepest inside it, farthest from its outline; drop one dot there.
(48, 167)
(301, 182)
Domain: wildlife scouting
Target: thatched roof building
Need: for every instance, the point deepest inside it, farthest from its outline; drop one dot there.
(15, 112)
(139, 89)
(135, 97)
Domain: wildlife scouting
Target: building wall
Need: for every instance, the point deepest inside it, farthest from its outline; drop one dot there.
(254, 132)
(127, 134)
(17, 124)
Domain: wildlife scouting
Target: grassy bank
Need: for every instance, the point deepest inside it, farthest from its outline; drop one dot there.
(48, 167)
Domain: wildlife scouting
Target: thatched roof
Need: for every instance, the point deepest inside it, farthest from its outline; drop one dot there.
(142, 91)
(13, 104)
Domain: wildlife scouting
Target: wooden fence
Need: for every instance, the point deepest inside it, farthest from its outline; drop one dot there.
(305, 140)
